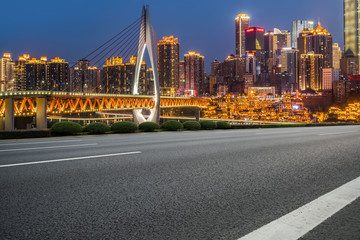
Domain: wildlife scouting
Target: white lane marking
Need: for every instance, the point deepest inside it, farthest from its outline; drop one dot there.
(29, 143)
(294, 225)
(38, 148)
(269, 133)
(325, 134)
(68, 159)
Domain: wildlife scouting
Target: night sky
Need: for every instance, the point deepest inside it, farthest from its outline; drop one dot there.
(73, 28)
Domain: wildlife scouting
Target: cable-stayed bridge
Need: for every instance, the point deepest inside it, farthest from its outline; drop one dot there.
(133, 41)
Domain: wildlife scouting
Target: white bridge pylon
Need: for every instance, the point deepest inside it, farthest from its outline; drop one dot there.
(146, 42)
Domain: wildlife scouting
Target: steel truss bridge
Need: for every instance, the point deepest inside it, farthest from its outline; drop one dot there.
(43, 103)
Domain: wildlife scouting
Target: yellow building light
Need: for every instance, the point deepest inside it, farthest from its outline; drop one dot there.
(7, 55)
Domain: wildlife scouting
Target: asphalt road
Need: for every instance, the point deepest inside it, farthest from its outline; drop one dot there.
(175, 185)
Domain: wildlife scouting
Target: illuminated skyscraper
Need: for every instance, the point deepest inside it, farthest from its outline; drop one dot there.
(290, 68)
(168, 63)
(310, 72)
(352, 28)
(194, 73)
(85, 78)
(119, 76)
(254, 39)
(242, 22)
(36, 75)
(297, 27)
(336, 56)
(58, 75)
(20, 71)
(6, 73)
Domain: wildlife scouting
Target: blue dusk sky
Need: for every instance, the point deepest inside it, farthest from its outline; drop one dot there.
(73, 28)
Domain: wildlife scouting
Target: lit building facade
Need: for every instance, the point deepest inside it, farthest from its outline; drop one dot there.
(290, 68)
(85, 78)
(119, 76)
(352, 28)
(336, 52)
(310, 72)
(242, 22)
(297, 28)
(254, 39)
(194, 73)
(7, 80)
(58, 75)
(36, 75)
(168, 63)
(20, 71)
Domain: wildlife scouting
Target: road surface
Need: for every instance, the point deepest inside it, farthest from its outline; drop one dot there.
(183, 185)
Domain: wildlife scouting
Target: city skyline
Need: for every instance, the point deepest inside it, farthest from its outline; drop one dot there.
(74, 39)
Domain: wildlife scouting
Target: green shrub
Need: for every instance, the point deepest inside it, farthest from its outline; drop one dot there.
(148, 126)
(223, 125)
(24, 134)
(66, 128)
(97, 128)
(124, 127)
(207, 125)
(192, 125)
(172, 125)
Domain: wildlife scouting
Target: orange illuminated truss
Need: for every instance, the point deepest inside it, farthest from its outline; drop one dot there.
(25, 104)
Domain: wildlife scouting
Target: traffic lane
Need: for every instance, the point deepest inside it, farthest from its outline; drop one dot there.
(190, 194)
(344, 225)
(129, 143)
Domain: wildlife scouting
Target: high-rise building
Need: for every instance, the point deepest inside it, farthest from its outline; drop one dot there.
(231, 72)
(85, 78)
(194, 73)
(168, 63)
(349, 64)
(254, 39)
(58, 75)
(302, 40)
(310, 71)
(290, 68)
(119, 76)
(327, 79)
(36, 75)
(282, 39)
(215, 67)
(20, 71)
(320, 42)
(7, 80)
(182, 77)
(336, 55)
(352, 28)
(242, 22)
(297, 27)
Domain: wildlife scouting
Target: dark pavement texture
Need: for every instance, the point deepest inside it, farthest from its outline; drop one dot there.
(184, 185)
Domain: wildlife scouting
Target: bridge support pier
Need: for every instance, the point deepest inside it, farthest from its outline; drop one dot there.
(197, 114)
(2, 124)
(9, 114)
(41, 113)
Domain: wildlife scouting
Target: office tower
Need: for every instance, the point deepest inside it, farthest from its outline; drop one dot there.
(36, 75)
(242, 22)
(320, 42)
(254, 39)
(149, 82)
(85, 78)
(310, 71)
(58, 75)
(349, 64)
(215, 67)
(352, 29)
(336, 55)
(281, 39)
(327, 79)
(119, 76)
(194, 73)
(290, 68)
(297, 27)
(301, 40)
(168, 63)
(20, 72)
(269, 48)
(182, 77)
(6, 73)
